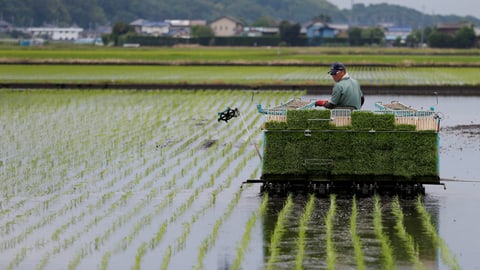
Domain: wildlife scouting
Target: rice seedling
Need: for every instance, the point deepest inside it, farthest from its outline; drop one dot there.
(243, 244)
(166, 258)
(388, 261)
(278, 233)
(357, 244)
(210, 240)
(408, 241)
(329, 219)
(447, 257)
(303, 231)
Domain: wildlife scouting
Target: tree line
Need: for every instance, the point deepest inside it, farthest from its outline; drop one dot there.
(289, 35)
(91, 13)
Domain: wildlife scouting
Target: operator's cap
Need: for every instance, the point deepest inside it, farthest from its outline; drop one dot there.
(335, 67)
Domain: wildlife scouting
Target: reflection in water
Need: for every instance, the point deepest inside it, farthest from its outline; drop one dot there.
(373, 252)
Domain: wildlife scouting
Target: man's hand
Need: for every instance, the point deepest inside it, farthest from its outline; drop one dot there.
(320, 102)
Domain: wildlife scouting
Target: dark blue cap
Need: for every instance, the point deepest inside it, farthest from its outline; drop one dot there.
(335, 67)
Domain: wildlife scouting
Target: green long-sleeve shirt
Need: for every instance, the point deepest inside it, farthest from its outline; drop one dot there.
(347, 93)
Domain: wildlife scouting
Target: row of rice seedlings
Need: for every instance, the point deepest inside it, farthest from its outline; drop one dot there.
(67, 144)
(75, 201)
(136, 228)
(210, 239)
(447, 257)
(243, 244)
(259, 74)
(188, 143)
(123, 197)
(408, 241)
(357, 243)
(180, 241)
(195, 217)
(303, 231)
(329, 219)
(278, 232)
(388, 261)
(136, 181)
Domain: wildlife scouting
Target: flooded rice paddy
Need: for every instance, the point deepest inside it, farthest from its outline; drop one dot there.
(151, 180)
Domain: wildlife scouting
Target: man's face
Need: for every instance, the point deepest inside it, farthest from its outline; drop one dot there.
(338, 76)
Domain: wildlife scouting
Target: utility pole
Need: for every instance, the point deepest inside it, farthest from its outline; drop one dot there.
(422, 36)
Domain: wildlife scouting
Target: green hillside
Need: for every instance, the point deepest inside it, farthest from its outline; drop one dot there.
(92, 13)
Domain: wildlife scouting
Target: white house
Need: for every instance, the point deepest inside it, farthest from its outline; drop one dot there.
(151, 28)
(226, 27)
(55, 33)
(394, 33)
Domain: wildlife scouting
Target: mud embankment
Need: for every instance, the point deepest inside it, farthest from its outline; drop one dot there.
(442, 90)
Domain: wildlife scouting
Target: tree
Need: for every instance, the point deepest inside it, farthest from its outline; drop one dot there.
(122, 28)
(322, 18)
(355, 36)
(374, 35)
(200, 31)
(265, 21)
(119, 31)
(289, 32)
(438, 39)
(465, 38)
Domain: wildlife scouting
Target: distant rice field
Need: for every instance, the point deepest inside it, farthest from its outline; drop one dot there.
(308, 75)
(321, 55)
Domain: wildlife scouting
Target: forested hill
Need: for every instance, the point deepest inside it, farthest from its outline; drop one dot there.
(91, 13)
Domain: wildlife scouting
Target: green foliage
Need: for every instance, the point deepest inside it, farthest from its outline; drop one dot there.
(365, 36)
(265, 21)
(289, 32)
(440, 40)
(202, 31)
(463, 38)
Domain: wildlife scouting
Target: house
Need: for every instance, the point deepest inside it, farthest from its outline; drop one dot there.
(150, 28)
(174, 28)
(182, 28)
(260, 31)
(316, 31)
(5, 26)
(55, 33)
(392, 34)
(137, 25)
(319, 30)
(451, 28)
(340, 30)
(226, 27)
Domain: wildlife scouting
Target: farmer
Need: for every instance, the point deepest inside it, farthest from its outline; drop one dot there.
(346, 92)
